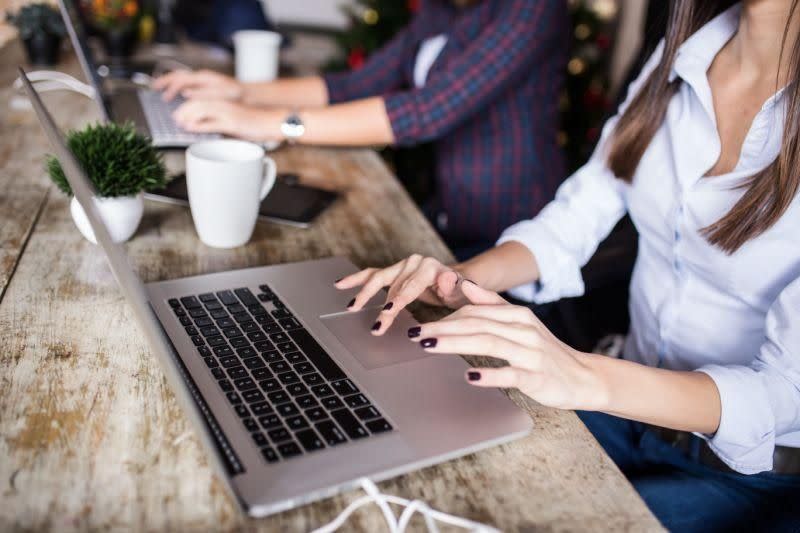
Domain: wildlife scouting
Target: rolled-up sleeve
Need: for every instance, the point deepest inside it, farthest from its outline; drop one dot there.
(761, 401)
(566, 233)
(519, 35)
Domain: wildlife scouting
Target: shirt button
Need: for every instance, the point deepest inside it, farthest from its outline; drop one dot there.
(677, 265)
(677, 235)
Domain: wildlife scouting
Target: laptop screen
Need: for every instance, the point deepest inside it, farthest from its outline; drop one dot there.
(79, 38)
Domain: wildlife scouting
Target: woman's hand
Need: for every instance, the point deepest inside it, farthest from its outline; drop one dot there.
(236, 120)
(414, 278)
(540, 365)
(204, 84)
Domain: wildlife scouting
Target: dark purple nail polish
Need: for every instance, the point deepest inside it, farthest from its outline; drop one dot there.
(352, 303)
(428, 343)
(376, 326)
(388, 306)
(337, 281)
(414, 332)
(474, 376)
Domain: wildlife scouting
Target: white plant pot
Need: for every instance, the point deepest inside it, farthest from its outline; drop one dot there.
(121, 216)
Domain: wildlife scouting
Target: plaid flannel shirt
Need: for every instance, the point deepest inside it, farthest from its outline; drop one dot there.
(489, 105)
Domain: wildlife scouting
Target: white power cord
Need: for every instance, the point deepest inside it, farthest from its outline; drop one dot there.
(411, 507)
(51, 80)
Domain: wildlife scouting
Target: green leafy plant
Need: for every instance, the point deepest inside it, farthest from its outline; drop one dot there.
(118, 160)
(39, 18)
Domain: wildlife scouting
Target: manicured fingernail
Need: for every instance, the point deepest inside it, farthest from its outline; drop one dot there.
(352, 303)
(388, 306)
(337, 281)
(376, 326)
(414, 332)
(428, 343)
(473, 376)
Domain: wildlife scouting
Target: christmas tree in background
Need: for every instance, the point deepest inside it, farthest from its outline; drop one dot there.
(584, 104)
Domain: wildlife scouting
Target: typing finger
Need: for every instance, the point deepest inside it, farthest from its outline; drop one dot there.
(378, 280)
(354, 280)
(485, 344)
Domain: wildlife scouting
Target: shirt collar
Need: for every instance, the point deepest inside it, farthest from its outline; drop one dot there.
(695, 56)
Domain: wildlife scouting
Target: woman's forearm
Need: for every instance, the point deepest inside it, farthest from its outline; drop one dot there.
(502, 267)
(358, 123)
(293, 93)
(685, 401)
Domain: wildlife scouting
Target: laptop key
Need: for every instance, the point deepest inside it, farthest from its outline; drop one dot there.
(190, 302)
(287, 409)
(356, 400)
(173, 302)
(332, 434)
(270, 455)
(257, 335)
(259, 438)
(225, 322)
(250, 424)
(279, 434)
(191, 330)
(211, 306)
(296, 422)
(246, 296)
(379, 426)
(237, 372)
(279, 366)
(321, 391)
(218, 373)
(331, 403)
(203, 322)
(216, 340)
(197, 312)
(271, 327)
(229, 361)
(367, 413)
(296, 389)
(306, 401)
(235, 308)
(253, 396)
(264, 297)
(281, 313)
(304, 368)
(222, 351)
(289, 449)
(256, 310)
(266, 290)
(261, 373)
(219, 314)
(263, 345)
(227, 297)
(278, 397)
(244, 316)
(233, 398)
(317, 355)
(186, 321)
(286, 347)
(179, 311)
(207, 297)
(232, 332)
(204, 350)
(269, 385)
(244, 384)
(241, 410)
(349, 424)
(279, 337)
(264, 319)
(270, 421)
(315, 414)
(209, 331)
(261, 408)
(225, 385)
(254, 362)
(344, 387)
(289, 377)
(310, 440)
(249, 327)
(197, 340)
(295, 357)
(271, 356)
(210, 362)
(247, 351)
(239, 342)
(313, 379)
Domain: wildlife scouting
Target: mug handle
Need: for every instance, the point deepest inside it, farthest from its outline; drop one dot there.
(270, 173)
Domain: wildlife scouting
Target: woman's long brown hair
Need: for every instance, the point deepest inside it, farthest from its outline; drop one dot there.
(768, 193)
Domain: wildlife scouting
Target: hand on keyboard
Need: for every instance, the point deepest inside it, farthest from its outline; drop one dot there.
(206, 116)
(205, 84)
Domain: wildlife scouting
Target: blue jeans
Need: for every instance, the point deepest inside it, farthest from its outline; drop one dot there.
(686, 495)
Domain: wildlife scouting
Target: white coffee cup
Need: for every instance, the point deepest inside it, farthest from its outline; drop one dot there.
(257, 54)
(227, 179)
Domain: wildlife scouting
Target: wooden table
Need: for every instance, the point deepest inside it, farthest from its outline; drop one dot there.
(92, 437)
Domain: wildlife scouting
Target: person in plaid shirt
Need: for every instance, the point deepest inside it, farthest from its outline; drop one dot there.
(480, 79)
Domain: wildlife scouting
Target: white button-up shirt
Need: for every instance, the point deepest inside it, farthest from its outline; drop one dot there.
(693, 307)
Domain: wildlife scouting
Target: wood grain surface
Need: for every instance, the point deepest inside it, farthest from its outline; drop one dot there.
(91, 438)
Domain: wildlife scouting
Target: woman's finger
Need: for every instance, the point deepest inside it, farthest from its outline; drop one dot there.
(484, 344)
(515, 314)
(480, 296)
(355, 280)
(377, 281)
(507, 377)
(517, 333)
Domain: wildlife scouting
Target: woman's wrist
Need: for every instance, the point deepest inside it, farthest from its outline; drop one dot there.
(596, 392)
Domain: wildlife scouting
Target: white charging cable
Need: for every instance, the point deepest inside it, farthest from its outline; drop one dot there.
(51, 80)
(411, 507)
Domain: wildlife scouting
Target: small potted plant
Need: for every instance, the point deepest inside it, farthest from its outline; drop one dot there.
(121, 164)
(117, 22)
(41, 30)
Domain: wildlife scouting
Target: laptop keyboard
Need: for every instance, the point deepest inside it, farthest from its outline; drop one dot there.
(288, 392)
(163, 129)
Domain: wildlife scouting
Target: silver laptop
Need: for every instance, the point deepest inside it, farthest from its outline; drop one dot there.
(292, 396)
(144, 107)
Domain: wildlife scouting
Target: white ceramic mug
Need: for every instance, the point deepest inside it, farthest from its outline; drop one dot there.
(257, 54)
(227, 180)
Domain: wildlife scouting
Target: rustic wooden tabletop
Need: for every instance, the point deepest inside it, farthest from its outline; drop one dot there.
(92, 438)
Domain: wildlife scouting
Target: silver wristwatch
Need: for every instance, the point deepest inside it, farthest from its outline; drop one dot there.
(293, 128)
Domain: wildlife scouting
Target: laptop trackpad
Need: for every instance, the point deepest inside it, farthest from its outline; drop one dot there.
(393, 347)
